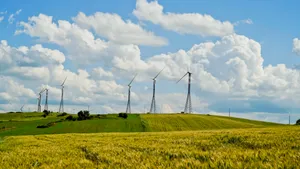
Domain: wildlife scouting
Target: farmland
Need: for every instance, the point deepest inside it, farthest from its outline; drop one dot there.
(146, 141)
(226, 148)
(13, 124)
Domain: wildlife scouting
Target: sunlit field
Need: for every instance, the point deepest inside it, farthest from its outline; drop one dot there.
(277, 147)
(12, 124)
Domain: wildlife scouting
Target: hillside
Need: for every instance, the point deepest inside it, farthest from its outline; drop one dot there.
(185, 122)
(26, 123)
(235, 148)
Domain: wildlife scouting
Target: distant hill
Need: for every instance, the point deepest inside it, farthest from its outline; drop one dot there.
(185, 122)
(26, 123)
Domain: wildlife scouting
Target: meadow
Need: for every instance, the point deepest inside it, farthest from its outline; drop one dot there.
(13, 124)
(277, 147)
(146, 141)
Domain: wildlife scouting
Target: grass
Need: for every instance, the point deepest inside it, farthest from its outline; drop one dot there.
(227, 148)
(186, 122)
(13, 124)
(111, 123)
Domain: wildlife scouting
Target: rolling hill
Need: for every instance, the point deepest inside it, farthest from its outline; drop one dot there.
(26, 123)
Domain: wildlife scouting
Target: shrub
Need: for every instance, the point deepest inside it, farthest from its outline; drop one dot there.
(46, 125)
(83, 115)
(298, 122)
(123, 115)
(46, 113)
(70, 118)
(182, 112)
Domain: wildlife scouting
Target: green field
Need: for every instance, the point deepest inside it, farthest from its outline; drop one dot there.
(226, 148)
(13, 124)
(146, 141)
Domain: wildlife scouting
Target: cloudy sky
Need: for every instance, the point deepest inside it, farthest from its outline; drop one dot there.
(243, 55)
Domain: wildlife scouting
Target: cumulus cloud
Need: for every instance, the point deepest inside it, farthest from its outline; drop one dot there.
(1, 18)
(115, 29)
(11, 17)
(296, 46)
(13, 91)
(231, 67)
(186, 23)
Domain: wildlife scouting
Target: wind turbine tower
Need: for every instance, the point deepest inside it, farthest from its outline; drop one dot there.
(128, 108)
(153, 102)
(61, 106)
(46, 101)
(22, 108)
(188, 103)
(40, 100)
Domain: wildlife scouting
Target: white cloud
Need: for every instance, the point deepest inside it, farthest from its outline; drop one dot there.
(112, 27)
(100, 73)
(230, 68)
(13, 91)
(1, 18)
(246, 21)
(186, 23)
(11, 17)
(296, 46)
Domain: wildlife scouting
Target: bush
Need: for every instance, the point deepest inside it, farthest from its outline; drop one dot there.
(182, 112)
(83, 115)
(47, 125)
(298, 122)
(71, 118)
(46, 113)
(123, 115)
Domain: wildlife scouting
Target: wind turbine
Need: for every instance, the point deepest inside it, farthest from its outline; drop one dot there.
(39, 100)
(61, 106)
(46, 101)
(188, 103)
(128, 109)
(22, 108)
(153, 103)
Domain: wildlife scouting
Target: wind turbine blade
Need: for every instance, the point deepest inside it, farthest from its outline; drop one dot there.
(132, 79)
(42, 91)
(64, 81)
(182, 77)
(159, 73)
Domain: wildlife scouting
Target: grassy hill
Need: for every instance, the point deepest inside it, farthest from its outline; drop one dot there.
(26, 123)
(276, 147)
(185, 122)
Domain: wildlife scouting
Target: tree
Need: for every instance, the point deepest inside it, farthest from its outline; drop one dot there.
(46, 113)
(298, 122)
(83, 115)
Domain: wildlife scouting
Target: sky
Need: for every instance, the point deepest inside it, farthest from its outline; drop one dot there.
(243, 55)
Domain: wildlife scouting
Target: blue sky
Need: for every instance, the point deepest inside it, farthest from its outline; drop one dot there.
(275, 22)
(274, 25)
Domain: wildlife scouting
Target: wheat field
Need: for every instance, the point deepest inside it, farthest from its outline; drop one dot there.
(277, 147)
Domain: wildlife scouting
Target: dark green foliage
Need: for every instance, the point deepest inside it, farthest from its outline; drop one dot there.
(63, 114)
(47, 125)
(70, 118)
(46, 113)
(83, 115)
(123, 115)
(182, 112)
(298, 122)
(19, 112)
